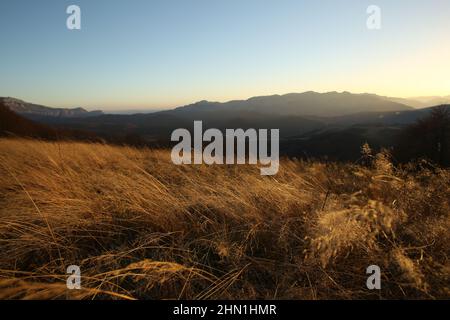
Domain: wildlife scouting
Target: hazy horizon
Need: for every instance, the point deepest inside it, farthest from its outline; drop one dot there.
(149, 55)
(130, 110)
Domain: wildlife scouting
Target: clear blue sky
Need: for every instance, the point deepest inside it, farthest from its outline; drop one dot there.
(163, 53)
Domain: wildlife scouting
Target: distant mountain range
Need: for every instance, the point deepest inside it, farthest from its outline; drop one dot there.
(313, 124)
(423, 102)
(31, 109)
(293, 113)
(307, 104)
(303, 104)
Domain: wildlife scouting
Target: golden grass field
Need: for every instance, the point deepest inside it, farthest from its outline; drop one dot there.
(142, 228)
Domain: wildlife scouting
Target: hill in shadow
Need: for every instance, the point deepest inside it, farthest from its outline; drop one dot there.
(13, 124)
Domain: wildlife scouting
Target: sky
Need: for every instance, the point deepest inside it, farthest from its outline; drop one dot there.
(144, 54)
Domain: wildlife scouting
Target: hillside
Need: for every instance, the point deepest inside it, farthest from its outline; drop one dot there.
(141, 228)
(13, 124)
(159, 125)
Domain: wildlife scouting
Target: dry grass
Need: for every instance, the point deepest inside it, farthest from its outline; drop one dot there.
(143, 228)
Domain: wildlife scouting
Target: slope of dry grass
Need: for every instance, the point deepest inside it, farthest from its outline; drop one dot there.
(142, 228)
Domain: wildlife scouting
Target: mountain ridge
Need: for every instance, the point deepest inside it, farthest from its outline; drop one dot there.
(337, 137)
(309, 103)
(25, 108)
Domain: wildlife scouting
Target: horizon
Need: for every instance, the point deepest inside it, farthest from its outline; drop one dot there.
(157, 55)
(125, 110)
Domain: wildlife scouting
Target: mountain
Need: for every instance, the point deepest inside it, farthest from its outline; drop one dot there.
(305, 104)
(31, 110)
(421, 102)
(383, 118)
(432, 101)
(408, 102)
(330, 125)
(294, 114)
(13, 124)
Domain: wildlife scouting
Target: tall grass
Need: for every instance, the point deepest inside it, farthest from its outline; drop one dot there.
(142, 228)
